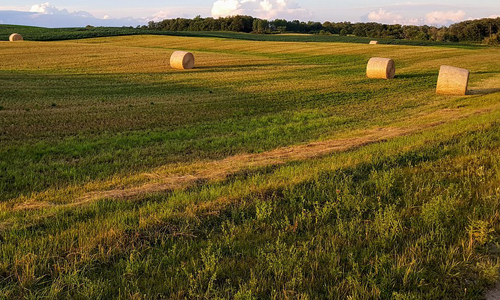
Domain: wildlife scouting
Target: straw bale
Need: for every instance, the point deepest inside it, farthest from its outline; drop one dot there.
(15, 37)
(182, 60)
(381, 68)
(452, 81)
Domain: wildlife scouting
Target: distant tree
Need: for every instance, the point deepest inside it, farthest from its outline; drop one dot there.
(237, 24)
(359, 31)
(493, 40)
(255, 25)
(314, 26)
(485, 30)
(262, 26)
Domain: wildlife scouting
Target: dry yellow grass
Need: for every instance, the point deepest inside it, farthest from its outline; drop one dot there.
(148, 54)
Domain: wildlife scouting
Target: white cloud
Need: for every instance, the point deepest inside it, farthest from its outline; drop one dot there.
(479, 18)
(222, 8)
(425, 6)
(47, 15)
(444, 17)
(390, 17)
(383, 16)
(416, 22)
(437, 18)
(160, 16)
(265, 9)
(46, 8)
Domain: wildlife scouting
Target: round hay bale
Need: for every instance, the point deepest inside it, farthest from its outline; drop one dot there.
(373, 42)
(15, 37)
(381, 68)
(182, 60)
(452, 81)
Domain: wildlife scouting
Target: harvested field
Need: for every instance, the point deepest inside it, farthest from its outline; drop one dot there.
(270, 170)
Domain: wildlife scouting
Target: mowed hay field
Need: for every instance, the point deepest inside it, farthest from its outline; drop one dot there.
(271, 170)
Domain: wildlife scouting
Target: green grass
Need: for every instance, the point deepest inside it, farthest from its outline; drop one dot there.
(73, 124)
(56, 34)
(381, 227)
(53, 34)
(411, 217)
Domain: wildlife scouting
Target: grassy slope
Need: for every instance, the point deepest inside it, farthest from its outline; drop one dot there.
(76, 112)
(366, 222)
(56, 34)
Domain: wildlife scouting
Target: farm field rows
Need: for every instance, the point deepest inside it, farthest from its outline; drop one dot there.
(272, 169)
(56, 34)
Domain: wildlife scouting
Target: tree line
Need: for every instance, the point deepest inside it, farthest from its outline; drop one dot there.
(481, 30)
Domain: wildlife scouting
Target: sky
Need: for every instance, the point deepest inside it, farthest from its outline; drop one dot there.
(65, 13)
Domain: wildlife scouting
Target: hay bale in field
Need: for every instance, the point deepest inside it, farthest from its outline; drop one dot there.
(452, 81)
(182, 60)
(373, 42)
(15, 37)
(381, 68)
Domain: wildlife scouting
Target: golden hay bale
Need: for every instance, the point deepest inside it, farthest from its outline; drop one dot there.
(373, 42)
(15, 37)
(182, 60)
(452, 81)
(382, 68)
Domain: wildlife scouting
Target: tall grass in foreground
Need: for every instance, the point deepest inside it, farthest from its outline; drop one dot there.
(412, 218)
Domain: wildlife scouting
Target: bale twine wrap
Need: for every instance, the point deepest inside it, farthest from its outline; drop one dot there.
(373, 42)
(381, 68)
(182, 60)
(452, 81)
(15, 37)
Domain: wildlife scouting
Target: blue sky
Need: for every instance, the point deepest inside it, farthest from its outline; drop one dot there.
(60, 13)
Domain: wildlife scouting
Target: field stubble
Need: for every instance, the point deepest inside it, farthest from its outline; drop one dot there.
(89, 119)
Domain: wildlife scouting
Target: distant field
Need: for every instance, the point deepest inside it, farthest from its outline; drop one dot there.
(273, 169)
(57, 34)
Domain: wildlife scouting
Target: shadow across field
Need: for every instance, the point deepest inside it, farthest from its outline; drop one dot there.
(490, 85)
(486, 72)
(486, 91)
(416, 75)
(233, 68)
